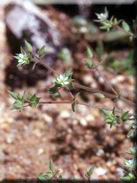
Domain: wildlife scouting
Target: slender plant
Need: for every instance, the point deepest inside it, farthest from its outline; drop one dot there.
(66, 82)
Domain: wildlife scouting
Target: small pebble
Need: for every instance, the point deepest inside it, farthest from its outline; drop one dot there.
(40, 151)
(10, 138)
(100, 171)
(117, 79)
(75, 122)
(37, 132)
(87, 79)
(100, 152)
(47, 118)
(89, 117)
(65, 114)
(119, 137)
(83, 122)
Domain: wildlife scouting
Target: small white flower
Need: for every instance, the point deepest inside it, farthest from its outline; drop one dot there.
(102, 16)
(22, 58)
(63, 80)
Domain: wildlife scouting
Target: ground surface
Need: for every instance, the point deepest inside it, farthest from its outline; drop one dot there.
(74, 141)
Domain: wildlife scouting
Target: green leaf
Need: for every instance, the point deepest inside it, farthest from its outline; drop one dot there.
(47, 175)
(90, 171)
(125, 116)
(89, 63)
(68, 74)
(18, 105)
(22, 50)
(125, 26)
(115, 21)
(28, 46)
(100, 49)
(104, 111)
(130, 163)
(110, 117)
(131, 134)
(50, 165)
(33, 100)
(129, 176)
(65, 55)
(132, 151)
(19, 101)
(41, 177)
(54, 91)
(89, 53)
(42, 52)
(13, 94)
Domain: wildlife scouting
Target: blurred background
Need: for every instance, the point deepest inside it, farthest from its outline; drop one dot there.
(74, 141)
